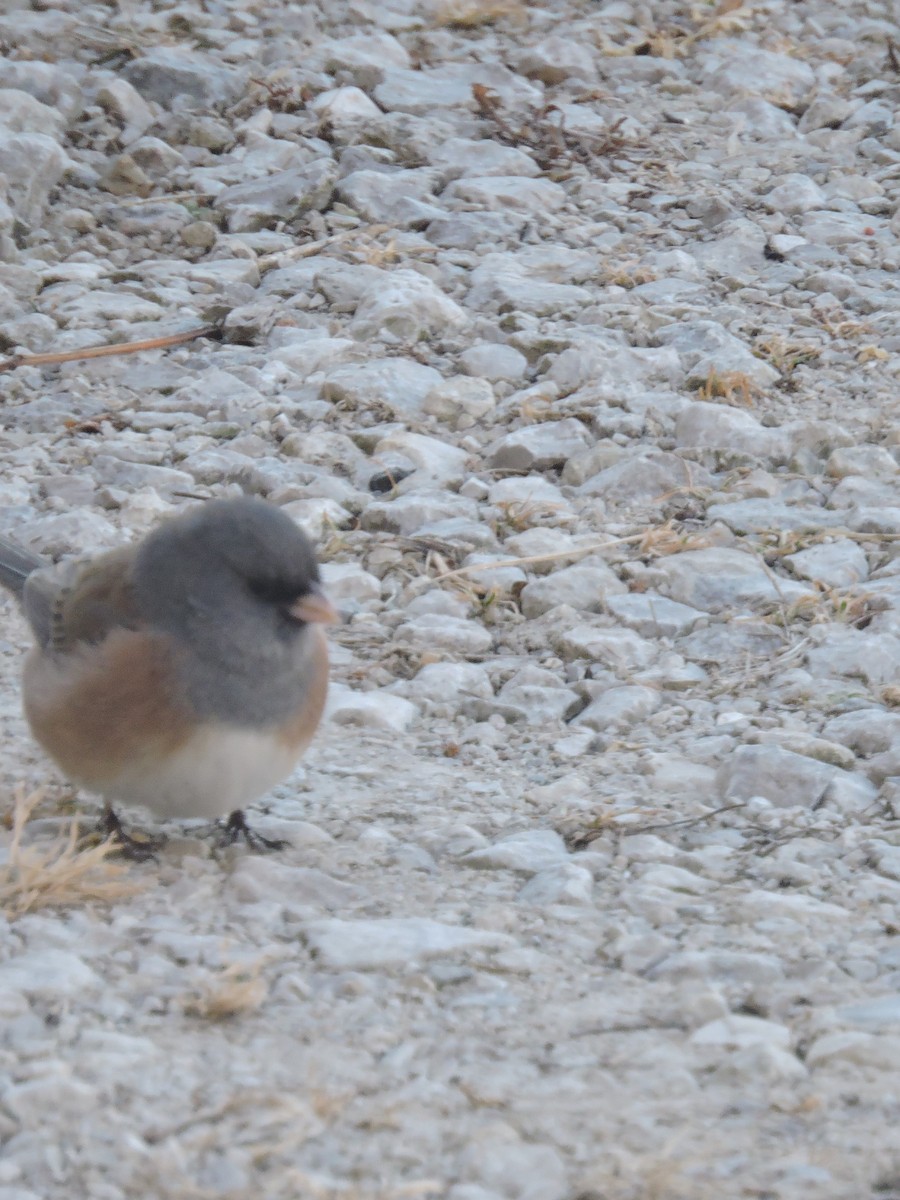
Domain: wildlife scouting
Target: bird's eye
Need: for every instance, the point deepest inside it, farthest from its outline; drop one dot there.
(273, 591)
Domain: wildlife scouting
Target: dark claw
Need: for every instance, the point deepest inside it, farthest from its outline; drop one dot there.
(139, 849)
(236, 827)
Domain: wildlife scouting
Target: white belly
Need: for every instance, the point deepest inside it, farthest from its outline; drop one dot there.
(216, 772)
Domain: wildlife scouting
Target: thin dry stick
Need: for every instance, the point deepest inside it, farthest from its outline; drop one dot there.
(629, 830)
(536, 558)
(269, 262)
(61, 356)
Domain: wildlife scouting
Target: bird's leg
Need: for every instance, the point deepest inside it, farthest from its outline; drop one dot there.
(140, 849)
(236, 827)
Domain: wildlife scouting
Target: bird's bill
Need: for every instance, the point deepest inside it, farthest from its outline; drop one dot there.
(314, 607)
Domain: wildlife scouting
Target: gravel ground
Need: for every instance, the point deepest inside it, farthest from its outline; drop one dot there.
(569, 331)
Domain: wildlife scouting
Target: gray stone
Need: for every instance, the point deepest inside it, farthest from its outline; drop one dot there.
(589, 463)
(132, 475)
(499, 192)
(653, 615)
(460, 402)
(347, 584)
(494, 361)
(49, 975)
(837, 564)
(33, 165)
(869, 461)
(435, 633)
(730, 66)
(785, 779)
(708, 349)
(535, 696)
(878, 1012)
(474, 230)
(81, 531)
(396, 383)
(343, 109)
(758, 516)
(513, 1168)
(718, 578)
(794, 194)
(527, 853)
(718, 427)
(364, 55)
(619, 707)
(855, 654)
(493, 575)
(409, 514)
(389, 943)
(128, 106)
(281, 196)
(432, 459)
(866, 731)
(856, 1048)
(504, 284)
(465, 156)
(565, 884)
(609, 370)
(404, 199)
(453, 684)
(538, 447)
(407, 306)
(166, 73)
(450, 86)
(50, 83)
(555, 59)
(534, 544)
(22, 113)
(375, 710)
(583, 586)
(642, 478)
(530, 498)
(620, 649)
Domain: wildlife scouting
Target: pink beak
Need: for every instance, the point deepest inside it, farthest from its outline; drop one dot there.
(315, 607)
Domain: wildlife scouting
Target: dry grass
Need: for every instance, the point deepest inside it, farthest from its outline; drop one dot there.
(663, 540)
(734, 387)
(627, 274)
(785, 355)
(59, 874)
(234, 992)
(469, 14)
(828, 605)
(872, 354)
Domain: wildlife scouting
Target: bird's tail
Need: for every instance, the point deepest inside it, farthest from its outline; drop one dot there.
(16, 564)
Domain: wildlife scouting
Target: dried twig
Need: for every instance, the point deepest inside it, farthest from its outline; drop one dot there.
(574, 551)
(280, 258)
(61, 356)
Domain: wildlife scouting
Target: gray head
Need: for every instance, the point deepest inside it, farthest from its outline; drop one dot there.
(236, 584)
(229, 568)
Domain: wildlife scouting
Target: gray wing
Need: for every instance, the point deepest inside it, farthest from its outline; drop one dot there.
(74, 601)
(34, 581)
(41, 598)
(16, 564)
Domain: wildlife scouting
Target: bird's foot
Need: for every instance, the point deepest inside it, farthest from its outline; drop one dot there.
(140, 849)
(236, 827)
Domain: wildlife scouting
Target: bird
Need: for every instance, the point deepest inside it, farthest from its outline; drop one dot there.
(186, 672)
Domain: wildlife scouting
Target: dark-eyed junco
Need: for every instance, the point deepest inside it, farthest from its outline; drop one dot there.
(186, 672)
